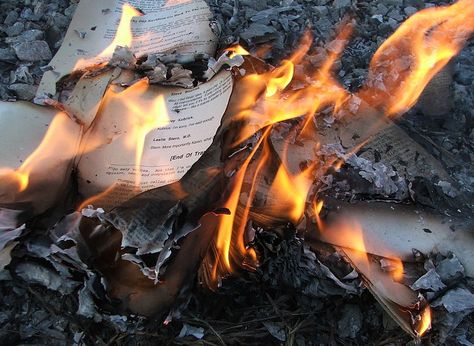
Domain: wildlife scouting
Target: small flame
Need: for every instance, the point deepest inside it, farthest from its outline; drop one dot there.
(280, 79)
(317, 207)
(291, 191)
(237, 50)
(425, 324)
(397, 271)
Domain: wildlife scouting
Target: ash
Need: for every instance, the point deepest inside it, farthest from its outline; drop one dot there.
(297, 296)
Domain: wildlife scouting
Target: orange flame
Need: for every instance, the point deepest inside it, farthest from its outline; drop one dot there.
(397, 270)
(61, 135)
(226, 227)
(16, 176)
(237, 50)
(290, 189)
(280, 79)
(425, 324)
(349, 234)
(405, 63)
(317, 207)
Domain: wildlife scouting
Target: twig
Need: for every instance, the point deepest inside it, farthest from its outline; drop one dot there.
(212, 329)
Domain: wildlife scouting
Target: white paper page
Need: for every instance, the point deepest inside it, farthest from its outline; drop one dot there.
(169, 151)
(22, 127)
(165, 26)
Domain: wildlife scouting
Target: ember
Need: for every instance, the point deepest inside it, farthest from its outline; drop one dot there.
(258, 168)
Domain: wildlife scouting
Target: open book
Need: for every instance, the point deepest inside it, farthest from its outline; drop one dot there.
(104, 125)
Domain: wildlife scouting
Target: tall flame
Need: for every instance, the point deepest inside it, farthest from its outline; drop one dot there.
(399, 71)
(405, 63)
(229, 245)
(124, 35)
(144, 119)
(141, 112)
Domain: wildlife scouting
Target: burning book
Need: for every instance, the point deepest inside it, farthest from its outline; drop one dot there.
(170, 183)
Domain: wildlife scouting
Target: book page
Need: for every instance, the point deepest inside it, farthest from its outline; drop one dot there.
(15, 119)
(164, 27)
(177, 141)
(397, 149)
(38, 147)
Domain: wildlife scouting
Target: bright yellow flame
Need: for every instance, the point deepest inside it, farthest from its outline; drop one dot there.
(291, 192)
(237, 50)
(280, 79)
(124, 35)
(142, 116)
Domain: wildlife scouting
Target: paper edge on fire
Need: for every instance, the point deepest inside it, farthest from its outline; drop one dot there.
(392, 230)
(164, 27)
(23, 128)
(398, 300)
(170, 149)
